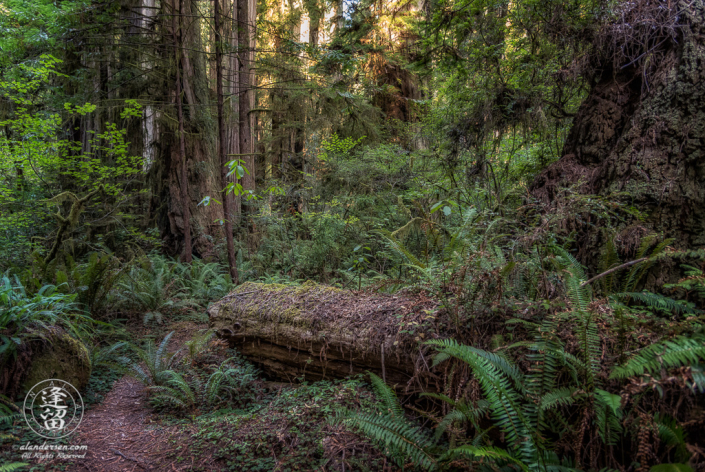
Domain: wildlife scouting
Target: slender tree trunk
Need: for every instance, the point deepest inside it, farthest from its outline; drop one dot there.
(227, 213)
(232, 89)
(245, 86)
(338, 18)
(186, 255)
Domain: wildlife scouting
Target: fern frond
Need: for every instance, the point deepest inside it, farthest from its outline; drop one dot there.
(659, 302)
(672, 434)
(13, 466)
(159, 355)
(504, 401)
(501, 363)
(397, 434)
(496, 454)
(401, 249)
(680, 351)
(560, 397)
(387, 395)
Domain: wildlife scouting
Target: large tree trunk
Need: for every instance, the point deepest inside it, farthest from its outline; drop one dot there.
(246, 92)
(641, 133)
(183, 179)
(202, 172)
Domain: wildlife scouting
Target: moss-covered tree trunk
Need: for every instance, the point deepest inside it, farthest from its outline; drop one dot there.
(641, 131)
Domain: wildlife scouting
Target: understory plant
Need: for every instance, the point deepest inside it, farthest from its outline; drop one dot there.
(153, 288)
(548, 394)
(150, 364)
(188, 388)
(24, 315)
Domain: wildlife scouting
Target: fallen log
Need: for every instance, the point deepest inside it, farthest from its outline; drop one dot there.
(319, 332)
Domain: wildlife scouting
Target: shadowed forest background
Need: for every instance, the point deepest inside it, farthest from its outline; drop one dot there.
(357, 235)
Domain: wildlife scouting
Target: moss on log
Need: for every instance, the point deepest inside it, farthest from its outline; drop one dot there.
(316, 332)
(54, 355)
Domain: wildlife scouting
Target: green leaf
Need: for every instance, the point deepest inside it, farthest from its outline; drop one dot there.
(435, 207)
(610, 399)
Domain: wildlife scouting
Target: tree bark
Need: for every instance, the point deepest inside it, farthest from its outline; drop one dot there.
(186, 254)
(638, 137)
(245, 53)
(227, 212)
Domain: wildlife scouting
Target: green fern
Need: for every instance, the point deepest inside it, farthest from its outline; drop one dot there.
(505, 403)
(693, 283)
(106, 356)
(177, 391)
(659, 302)
(387, 395)
(680, 351)
(495, 454)
(13, 466)
(564, 396)
(404, 440)
(198, 344)
(401, 249)
(157, 362)
(673, 436)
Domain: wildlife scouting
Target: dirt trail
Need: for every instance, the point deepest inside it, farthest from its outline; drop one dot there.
(122, 435)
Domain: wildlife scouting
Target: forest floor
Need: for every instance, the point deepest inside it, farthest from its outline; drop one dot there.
(284, 427)
(124, 433)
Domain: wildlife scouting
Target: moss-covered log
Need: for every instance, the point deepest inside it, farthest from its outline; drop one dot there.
(316, 332)
(55, 354)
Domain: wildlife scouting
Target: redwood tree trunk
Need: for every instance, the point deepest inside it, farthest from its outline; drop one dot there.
(167, 205)
(227, 212)
(246, 56)
(186, 254)
(639, 136)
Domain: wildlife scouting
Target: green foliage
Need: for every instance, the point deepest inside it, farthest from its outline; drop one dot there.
(92, 281)
(194, 390)
(404, 440)
(672, 435)
(23, 315)
(156, 286)
(152, 364)
(199, 344)
(202, 282)
(680, 351)
(691, 287)
(11, 467)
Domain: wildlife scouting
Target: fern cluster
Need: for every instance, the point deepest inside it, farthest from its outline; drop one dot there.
(24, 315)
(533, 407)
(401, 437)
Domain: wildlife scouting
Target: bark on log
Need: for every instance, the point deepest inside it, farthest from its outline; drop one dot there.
(320, 332)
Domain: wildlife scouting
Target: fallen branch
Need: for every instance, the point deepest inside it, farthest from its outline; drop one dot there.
(614, 269)
(136, 461)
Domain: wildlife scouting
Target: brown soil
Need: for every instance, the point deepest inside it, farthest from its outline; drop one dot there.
(123, 435)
